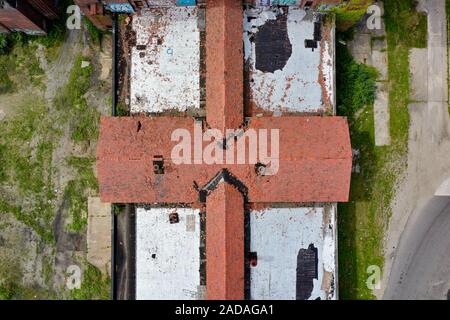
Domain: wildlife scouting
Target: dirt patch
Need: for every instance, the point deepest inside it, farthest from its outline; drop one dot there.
(32, 266)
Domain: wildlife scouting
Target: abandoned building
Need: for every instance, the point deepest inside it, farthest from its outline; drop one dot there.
(229, 230)
(99, 11)
(29, 16)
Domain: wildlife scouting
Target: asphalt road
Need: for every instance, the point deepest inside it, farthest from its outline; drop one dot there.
(422, 266)
(421, 263)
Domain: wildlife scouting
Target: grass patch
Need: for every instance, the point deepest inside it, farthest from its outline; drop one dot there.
(349, 13)
(70, 99)
(20, 69)
(27, 144)
(11, 284)
(122, 110)
(27, 147)
(94, 285)
(77, 191)
(94, 33)
(363, 220)
(6, 84)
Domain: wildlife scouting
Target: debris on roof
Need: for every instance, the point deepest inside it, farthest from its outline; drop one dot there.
(296, 248)
(252, 219)
(285, 74)
(165, 63)
(167, 254)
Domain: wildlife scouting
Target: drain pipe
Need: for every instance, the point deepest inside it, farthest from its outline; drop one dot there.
(114, 113)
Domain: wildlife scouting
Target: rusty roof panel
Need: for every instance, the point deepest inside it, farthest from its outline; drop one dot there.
(46, 8)
(14, 20)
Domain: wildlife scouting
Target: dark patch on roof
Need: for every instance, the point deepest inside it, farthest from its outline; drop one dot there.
(312, 44)
(317, 31)
(272, 46)
(307, 270)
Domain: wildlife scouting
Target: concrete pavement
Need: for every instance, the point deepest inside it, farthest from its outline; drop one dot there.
(370, 47)
(417, 261)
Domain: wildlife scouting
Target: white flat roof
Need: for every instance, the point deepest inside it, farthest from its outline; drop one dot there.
(277, 236)
(167, 255)
(165, 63)
(305, 81)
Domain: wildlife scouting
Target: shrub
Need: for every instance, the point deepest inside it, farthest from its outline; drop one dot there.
(94, 33)
(356, 85)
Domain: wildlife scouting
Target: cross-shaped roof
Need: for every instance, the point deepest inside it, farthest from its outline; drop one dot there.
(315, 157)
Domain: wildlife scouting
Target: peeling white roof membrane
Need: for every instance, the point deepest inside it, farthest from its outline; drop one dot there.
(297, 87)
(167, 255)
(277, 235)
(165, 63)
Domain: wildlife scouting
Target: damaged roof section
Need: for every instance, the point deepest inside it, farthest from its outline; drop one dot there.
(289, 57)
(165, 61)
(294, 253)
(168, 254)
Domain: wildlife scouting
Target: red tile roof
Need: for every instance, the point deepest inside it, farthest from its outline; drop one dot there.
(224, 64)
(314, 161)
(225, 244)
(315, 157)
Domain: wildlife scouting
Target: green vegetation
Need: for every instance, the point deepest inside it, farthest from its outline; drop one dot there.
(94, 285)
(95, 34)
(359, 87)
(70, 99)
(350, 12)
(77, 190)
(31, 158)
(363, 221)
(6, 84)
(6, 292)
(11, 285)
(27, 145)
(20, 68)
(122, 110)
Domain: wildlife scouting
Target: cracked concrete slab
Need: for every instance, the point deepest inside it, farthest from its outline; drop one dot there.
(370, 47)
(99, 234)
(381, 115)
(380, 62)
(361, 49)
(418, 74)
